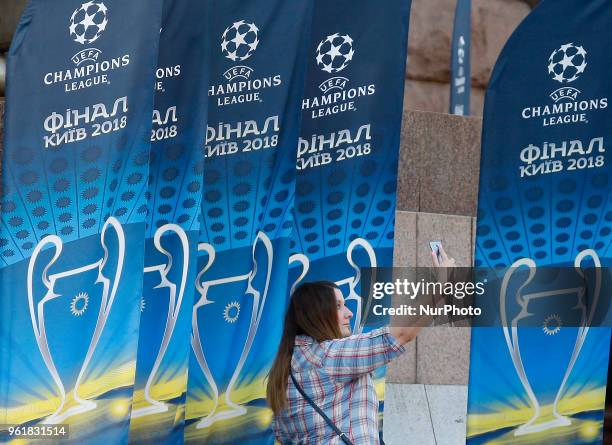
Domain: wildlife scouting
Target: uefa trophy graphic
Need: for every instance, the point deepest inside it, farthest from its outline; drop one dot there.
(226, 316)
(59, 314)
(545, 391)
(353, 281)
(164, 286)
(303, 260)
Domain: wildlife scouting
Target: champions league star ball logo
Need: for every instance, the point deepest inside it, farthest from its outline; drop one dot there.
(88, 22)
(240, 41)
(335, 52)
(567, 63)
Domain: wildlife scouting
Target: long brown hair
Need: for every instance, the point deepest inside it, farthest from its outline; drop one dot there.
(312, 311)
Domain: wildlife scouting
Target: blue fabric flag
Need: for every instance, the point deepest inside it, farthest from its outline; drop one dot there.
(349, 146)
(544, 202)
(174, 197)
(75, 167)
(256, 82)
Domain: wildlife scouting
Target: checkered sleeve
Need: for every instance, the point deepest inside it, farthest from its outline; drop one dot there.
(350, 357)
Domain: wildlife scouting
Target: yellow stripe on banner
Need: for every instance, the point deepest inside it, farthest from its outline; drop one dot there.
(120, 377)
(245, 393)
(477, 424)
(241, 394)
(162, 391)
(379, 385)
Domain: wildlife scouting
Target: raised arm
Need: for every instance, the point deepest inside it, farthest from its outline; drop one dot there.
(406, 334)
(350, 357)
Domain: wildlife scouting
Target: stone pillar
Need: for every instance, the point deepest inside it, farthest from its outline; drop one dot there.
(437, 200)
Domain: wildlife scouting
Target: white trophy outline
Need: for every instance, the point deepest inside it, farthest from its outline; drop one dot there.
(258, 305)
(37, 313)
(351, 281)
(174, 306)
(511, 335)
(305, 262)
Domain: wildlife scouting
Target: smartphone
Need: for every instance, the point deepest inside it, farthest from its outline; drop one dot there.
(435, 248)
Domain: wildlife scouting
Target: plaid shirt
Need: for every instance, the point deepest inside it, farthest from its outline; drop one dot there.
(336, 375)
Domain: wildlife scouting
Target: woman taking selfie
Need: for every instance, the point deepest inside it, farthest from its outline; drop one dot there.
(320, 386)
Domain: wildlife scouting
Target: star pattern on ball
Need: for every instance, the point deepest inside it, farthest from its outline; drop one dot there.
(88, 22)
(335, 52)
(567, 63)
(240, 40)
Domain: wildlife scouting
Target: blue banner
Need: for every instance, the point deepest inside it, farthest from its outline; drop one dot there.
(73, 206)
(461, 77)
(174, 198)
(544, 201)
(349, 145)
(256, 82)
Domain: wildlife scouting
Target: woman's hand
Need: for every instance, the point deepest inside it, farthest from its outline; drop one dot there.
(441, 266)
(446, 261)
(441, 269)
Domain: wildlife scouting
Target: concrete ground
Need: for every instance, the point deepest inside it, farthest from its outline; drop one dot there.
(425, 414)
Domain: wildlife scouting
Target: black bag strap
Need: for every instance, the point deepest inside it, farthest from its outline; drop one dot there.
(333, 426)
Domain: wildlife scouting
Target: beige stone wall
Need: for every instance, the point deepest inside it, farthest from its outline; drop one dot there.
(429, 47)
(439, 165)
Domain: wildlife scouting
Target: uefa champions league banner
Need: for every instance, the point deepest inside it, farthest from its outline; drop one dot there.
(256, 82)
(175, 191)
(461, 77)
(545, 202)
(349, 146)
(73, 206)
